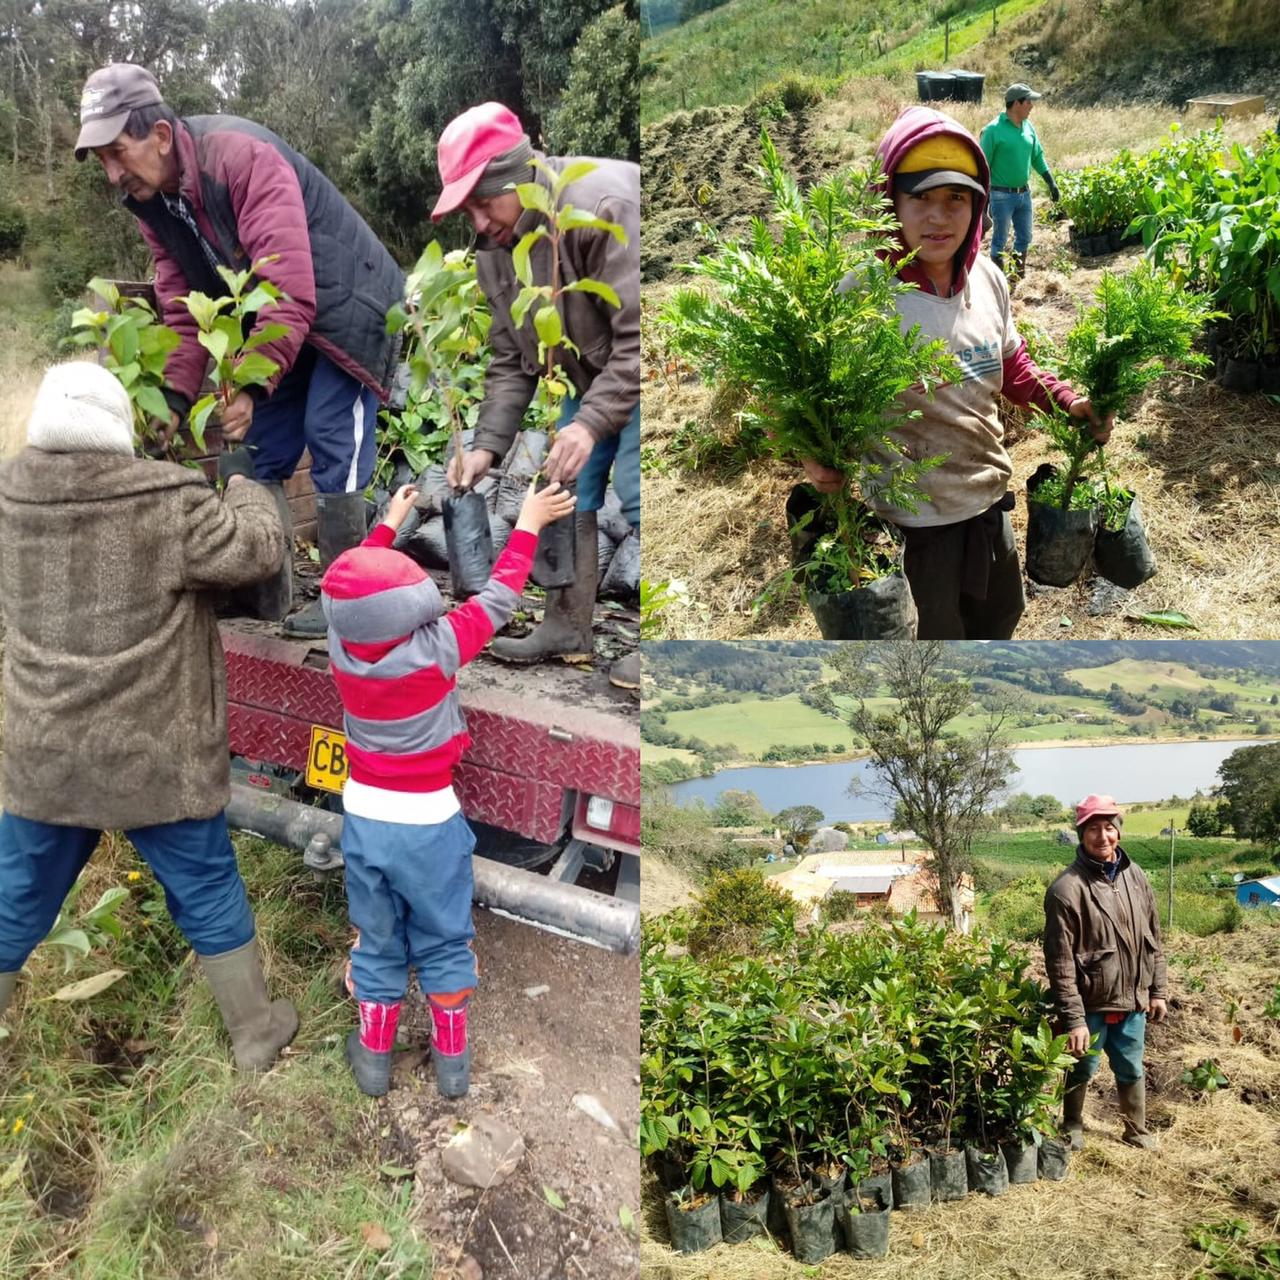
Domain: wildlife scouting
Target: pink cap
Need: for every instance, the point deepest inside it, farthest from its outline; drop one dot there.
(466, 146)
(1096, 807)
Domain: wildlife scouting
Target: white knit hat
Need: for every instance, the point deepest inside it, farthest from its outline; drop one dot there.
(81, 407)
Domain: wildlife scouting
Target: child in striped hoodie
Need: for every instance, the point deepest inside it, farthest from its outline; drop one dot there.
(407, 847)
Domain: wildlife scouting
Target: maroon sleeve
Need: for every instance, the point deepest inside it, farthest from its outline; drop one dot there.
(271, 220)
(184, 370)
(1026, 383)
(475, 622)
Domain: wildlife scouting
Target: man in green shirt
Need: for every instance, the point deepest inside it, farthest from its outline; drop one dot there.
(1012, 149)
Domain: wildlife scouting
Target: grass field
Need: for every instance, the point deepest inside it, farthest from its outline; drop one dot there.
(24, 318)
(130, 1146)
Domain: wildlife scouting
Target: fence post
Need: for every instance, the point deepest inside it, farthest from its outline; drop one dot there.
(946, 43)
(994, 7)
(1169, 923)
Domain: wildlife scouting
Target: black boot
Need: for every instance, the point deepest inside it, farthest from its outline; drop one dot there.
(341, 523)
(998, 259)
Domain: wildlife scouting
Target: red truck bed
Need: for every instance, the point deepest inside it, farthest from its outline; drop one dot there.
(541, 736)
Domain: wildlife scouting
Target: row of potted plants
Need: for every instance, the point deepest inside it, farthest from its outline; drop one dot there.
(838, 1075)
(1216, 230)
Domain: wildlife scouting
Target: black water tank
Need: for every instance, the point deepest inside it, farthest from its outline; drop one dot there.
(968, 86)
(935, 86)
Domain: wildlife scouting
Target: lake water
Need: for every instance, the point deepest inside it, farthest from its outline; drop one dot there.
(1129, 772)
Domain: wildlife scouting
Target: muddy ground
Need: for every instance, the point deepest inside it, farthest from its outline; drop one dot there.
(1204, 461)
(530, 1055)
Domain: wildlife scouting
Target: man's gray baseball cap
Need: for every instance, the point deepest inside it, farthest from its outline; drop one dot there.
(1016, 93)
(109, 95)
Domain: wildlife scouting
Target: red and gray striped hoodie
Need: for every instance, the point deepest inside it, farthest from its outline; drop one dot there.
(395, 656)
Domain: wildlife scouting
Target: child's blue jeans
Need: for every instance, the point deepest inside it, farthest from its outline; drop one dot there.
(409, 893)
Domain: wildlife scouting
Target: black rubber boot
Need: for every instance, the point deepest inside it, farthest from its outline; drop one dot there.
(1073, 1114)
(273, 598)
(998, 259)
(341, 523)
(372, 1070)
(1133, 1107)
(450, 1050)
(259, 1027)
(565, 629)
(8, 981)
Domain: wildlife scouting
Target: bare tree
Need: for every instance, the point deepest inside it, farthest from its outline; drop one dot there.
(944, 782)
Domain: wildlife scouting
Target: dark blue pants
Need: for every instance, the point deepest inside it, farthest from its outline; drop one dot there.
(193, 860)
(622, 454)
(409, 892)
(318, 407)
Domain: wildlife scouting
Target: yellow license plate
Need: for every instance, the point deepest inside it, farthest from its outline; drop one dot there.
(327, 759)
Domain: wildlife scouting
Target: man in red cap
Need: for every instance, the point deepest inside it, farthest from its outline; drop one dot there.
(482, 155)
(1105, 965)
(218, 191)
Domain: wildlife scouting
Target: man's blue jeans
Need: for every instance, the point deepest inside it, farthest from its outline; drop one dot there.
(1006, 207)
(1122, 1042)
(194, 860)
(622, 453)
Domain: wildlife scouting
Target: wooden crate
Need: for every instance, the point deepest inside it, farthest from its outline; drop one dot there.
(1226, 105)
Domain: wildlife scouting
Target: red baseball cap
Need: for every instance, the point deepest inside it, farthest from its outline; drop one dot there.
(466, 146)
(1096, 807)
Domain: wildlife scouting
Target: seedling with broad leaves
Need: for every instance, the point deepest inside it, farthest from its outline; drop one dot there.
(448, 320)
(134, 346)
(545, 301)
(222, 324)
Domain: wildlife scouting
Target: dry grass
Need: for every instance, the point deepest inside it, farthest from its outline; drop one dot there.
(1121, 1212)
(1205, 462)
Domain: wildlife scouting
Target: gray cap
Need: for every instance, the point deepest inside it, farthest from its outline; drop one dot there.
(1016, 92)
(928, 179)
(109, 95)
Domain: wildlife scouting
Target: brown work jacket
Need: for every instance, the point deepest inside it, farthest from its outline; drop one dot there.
(115, 698)
(1102, 947)
(605, 370)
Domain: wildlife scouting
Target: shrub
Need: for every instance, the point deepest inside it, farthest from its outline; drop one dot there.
(13, 230)
(839, 904)
(734, 909)
(1017, 910)
(783, 97)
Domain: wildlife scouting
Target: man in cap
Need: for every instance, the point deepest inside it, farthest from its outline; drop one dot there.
(1012, 149)
(482, 154)
(115, 702)
(212, 191)
(1105, 965)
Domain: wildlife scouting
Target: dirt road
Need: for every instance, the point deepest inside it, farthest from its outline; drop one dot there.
(532, 1053)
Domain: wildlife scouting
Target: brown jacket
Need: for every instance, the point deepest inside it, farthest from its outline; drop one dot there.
(606, 372)
(1102, 945)
(115, 704)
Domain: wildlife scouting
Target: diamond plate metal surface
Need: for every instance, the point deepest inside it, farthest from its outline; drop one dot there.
(267, 674)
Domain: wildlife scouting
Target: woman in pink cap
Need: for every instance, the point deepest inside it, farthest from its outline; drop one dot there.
(1106, 966)
(482, 155)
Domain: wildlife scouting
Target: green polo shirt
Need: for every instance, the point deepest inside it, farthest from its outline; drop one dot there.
(1012, 151)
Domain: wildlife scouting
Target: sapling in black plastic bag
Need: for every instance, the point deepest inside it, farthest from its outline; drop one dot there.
(1141, 325)
(801, 316)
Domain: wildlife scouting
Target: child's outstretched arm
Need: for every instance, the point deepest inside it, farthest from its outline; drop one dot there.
(383, 534)
(475, 622)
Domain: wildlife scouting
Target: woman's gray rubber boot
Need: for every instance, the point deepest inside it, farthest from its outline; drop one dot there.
(565, 630)
(372, 1070)
(8, 981)
(259, 1027)
(342, 522)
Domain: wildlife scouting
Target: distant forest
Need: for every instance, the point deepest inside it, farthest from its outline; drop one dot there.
(361, 87)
